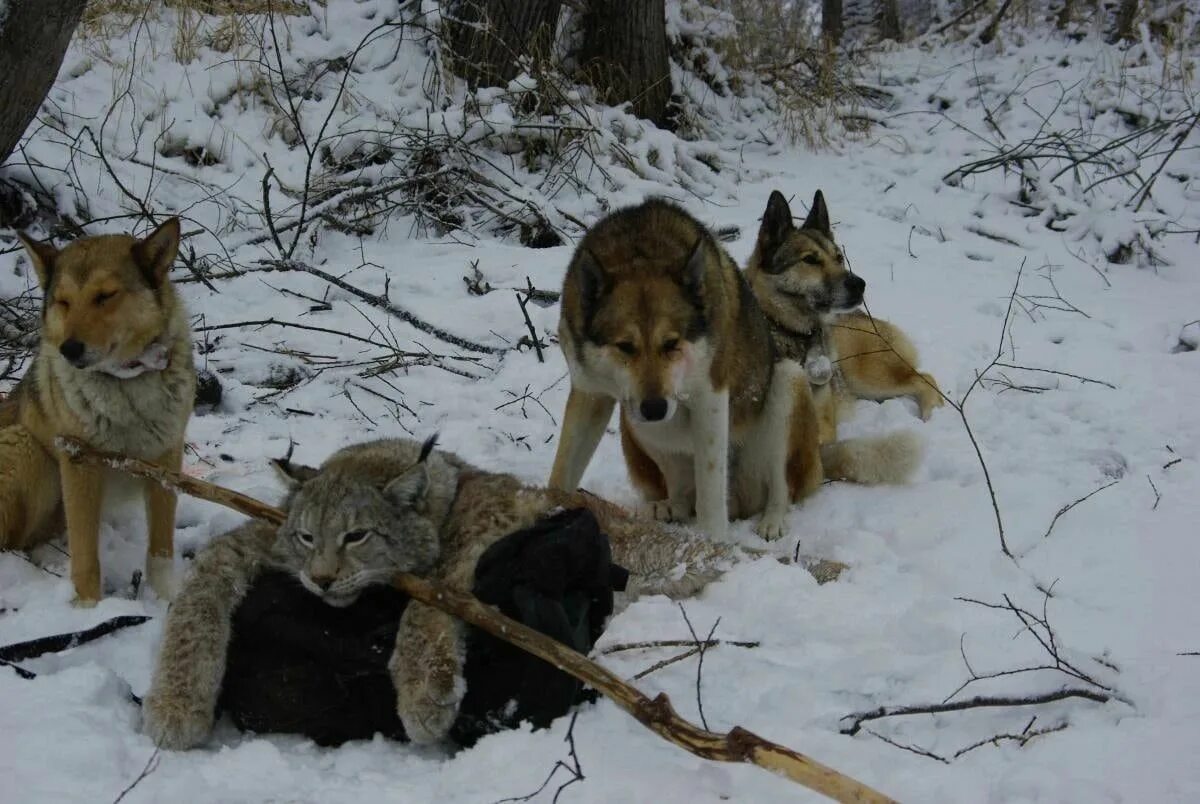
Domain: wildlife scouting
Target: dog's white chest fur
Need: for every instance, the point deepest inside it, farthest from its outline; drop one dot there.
(673, 436)
(142, 416)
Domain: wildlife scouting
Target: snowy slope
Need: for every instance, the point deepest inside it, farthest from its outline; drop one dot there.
(939, 260)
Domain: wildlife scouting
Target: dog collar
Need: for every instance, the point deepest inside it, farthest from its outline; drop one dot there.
(155, 357)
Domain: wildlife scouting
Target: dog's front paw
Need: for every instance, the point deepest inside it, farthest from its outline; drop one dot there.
(928, 405)
(428, 706)
(160, 574)
(80, 602)
(175, 724)
(772, 526)
(667, 511)
(818, 369)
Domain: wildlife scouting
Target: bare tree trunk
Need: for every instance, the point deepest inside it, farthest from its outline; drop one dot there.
(34, 35)
(624, 55)
(993, 27)
(889, 20)
(1066, 14)
(488, 37)
(1123, 25)
(831, 22)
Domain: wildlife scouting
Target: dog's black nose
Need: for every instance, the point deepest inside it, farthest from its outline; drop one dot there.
(71, 349)
(856, 284)
(654, 410)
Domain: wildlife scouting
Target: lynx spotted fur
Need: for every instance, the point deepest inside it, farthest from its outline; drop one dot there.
(370, 510)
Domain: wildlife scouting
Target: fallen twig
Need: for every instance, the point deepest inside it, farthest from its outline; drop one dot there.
(670, 660)
(384, 303)
(673, 643)
(1071, 505)
(149, 768)
(657, 714)
(575, 769)
(523, 298)
(31, 649)
(978, 702)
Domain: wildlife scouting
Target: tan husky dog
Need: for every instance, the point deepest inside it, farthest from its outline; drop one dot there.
(114, 368)
(799, 277)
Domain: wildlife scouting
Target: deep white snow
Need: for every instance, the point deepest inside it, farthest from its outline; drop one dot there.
(941, 261)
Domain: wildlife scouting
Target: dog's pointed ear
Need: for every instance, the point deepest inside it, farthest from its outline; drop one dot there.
(407, 489)
(696, 269)
(592, 282)
(42, 255)
(156, 253)
(293, 474)
(776, 222)
(818, 216)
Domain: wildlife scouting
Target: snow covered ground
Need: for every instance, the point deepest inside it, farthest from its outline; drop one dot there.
(939, 260)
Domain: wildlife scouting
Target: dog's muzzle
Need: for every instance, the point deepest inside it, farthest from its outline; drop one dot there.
(75, 353)
(655, 409)
(850, 294)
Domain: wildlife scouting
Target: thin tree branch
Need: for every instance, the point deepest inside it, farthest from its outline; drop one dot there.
(384, 303)
(978, 702)
(1071, 505)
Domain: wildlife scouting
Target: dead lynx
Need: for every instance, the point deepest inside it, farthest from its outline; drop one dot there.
(370, 510)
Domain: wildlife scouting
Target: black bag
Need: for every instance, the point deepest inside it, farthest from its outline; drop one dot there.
(298, 665)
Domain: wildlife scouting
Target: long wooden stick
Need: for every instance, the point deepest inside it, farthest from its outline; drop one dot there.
(657, 714)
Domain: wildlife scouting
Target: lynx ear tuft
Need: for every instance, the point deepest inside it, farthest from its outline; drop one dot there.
(292, 474)
(427, 447)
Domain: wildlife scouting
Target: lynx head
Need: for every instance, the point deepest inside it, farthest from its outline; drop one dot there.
(368, 512)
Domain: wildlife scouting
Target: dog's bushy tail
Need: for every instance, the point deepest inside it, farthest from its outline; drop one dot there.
(874, 460)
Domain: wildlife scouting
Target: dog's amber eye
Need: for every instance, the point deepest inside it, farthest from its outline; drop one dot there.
(63, 304)
(627, 347)
(811, 259)
(101, 298)
(671, 345)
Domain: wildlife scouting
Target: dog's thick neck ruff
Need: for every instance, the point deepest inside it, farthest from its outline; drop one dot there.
(155, 357)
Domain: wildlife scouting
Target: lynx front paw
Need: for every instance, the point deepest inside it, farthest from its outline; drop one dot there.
(772, 526)
(175, 724)
(428, 707)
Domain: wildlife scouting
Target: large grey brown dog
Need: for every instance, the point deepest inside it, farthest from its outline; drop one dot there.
(656, 316)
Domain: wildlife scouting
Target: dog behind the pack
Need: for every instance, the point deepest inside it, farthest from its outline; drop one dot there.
(114, 369)
(800, 278)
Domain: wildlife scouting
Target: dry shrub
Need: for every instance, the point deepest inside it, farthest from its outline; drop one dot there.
(227, 26)
(821, 97)
(18, 336)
